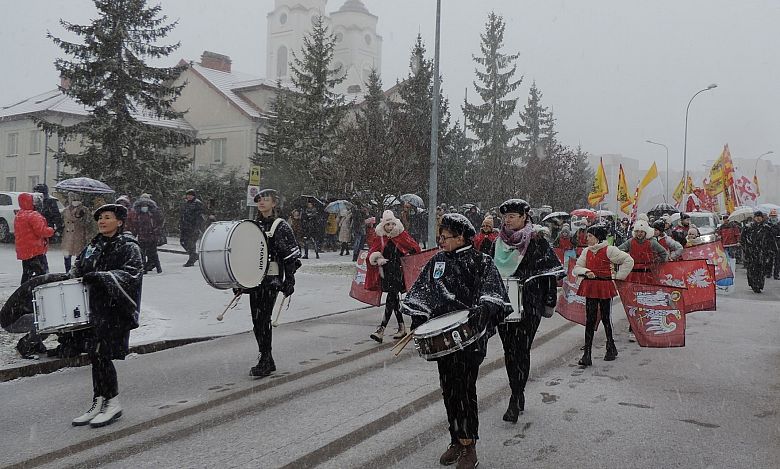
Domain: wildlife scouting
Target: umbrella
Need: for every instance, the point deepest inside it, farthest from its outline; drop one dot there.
(313, 199)
(84, 185)
(391, 200)
(465, 207)
(662, 209)
(605, 213)
(338, 205)
(766, 208)
(413, 199)
(558, 215)
(584, 213)
(741, 214)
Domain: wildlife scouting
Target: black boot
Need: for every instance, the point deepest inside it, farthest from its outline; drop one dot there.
(585, 361)
(265, 366)
(516, 405)
(612, 352)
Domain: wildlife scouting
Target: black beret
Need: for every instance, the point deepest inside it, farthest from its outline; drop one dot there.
(191, 192)
(515, 206)
(267, 193)
(599, 231)
(120, 212)
(758, 213)
(458, 224)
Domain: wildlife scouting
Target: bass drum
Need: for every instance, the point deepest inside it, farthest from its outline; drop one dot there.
(233, 254)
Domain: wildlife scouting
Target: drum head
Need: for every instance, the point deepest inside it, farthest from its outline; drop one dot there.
(248, 254)
(441, 323)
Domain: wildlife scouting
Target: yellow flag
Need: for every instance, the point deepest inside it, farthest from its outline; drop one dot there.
(651, 174)
(729, 190)
(623, 197)
(714, 185)
(755, 183)
(600, 187)
(677, 195)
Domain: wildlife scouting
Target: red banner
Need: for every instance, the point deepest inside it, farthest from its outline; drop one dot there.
(570, 305)
(693, 279)
(714, 254)
(358, 290)
(656, 314)
(413, 265)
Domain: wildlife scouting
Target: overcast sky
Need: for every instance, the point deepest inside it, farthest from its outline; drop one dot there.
(616, 72)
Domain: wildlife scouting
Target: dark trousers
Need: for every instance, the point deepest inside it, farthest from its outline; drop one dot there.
(360, 240)
(261, 303)
(776, 270)
(34, 266)
(149, 254)
(189, 241)
(306, 241)
(104, 380)
(393, 305)
(344, 248)
(592, 307)
(756, 271)
(68, 260)
(458, 378)
(517, 338)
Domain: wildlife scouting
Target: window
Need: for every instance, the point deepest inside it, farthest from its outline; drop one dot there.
(283, 18)
(13, 144)
(218, 147)
(33, 181)
(5, 199)
(281, 62)
(10, 184)
(35, 141)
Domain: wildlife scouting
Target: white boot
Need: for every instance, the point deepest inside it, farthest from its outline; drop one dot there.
(84, 419)
(401, 332)
(111, 411)
(378, 334)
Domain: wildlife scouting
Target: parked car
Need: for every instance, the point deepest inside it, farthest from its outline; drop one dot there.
(706, 222)
(9, 206)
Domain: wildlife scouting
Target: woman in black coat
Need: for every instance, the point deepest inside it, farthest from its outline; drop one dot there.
(112, 268)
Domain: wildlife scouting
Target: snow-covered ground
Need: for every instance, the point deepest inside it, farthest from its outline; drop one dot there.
(179, 304)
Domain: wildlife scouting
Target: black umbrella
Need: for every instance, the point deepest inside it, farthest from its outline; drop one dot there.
(662, 209)
(16, 315)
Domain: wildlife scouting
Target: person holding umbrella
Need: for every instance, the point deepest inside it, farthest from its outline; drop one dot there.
(191, 218)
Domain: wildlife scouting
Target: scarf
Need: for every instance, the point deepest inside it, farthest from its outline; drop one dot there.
(517, 239)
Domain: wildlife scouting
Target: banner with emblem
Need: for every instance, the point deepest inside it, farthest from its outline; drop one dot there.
(714, 254)
(655, 312)
(693, 279)
(599, 188)
(413, 265)
(358, 290)
(570, 305)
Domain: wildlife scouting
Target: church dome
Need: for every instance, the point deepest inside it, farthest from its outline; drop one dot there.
(354, 5)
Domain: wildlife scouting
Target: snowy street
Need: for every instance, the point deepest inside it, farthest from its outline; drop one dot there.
(339, 400)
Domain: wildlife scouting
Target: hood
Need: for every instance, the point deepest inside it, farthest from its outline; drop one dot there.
(26, 201)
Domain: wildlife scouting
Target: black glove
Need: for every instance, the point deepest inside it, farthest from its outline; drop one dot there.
(417, 321)
(479, 316)
(90, 278)
(288, 287)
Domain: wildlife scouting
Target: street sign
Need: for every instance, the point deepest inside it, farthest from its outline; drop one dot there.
(251, 192)
(254, 175)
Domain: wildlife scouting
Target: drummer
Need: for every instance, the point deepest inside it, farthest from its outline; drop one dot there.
(112, 267)
(283, 257)
(454, 279)
(521, 253)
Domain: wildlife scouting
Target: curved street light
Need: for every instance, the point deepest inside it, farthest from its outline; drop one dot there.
(666, 195)
(685, 147)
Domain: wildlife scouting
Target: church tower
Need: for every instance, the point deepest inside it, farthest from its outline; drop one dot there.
(358, 46)
(288, 23)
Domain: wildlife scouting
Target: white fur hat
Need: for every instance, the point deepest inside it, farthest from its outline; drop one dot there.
(389, 216)
(642, 225)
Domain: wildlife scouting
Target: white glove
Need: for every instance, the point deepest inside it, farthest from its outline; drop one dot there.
(381, 261)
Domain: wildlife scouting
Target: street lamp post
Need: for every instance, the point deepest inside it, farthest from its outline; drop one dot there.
(433, 183)
(685, 146)
(755, 168)
(666, 195)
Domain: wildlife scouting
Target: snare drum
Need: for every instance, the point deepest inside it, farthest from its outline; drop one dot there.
(61, 306)
(515, 291)
(233, 254)
(445, 335)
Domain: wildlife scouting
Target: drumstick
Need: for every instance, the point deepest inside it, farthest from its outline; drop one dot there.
(402, 343)
(234, 300)
(275, 322)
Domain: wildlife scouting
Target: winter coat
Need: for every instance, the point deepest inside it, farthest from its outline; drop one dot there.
(283, 249)
(332, 226)
(758, 242)
(147, 227)
(296, 224)
(458, 280)
(392, 247)
(357, 218)
(312, 227)
(51, 212)
(192, 217)
(30, 230)
(77, 229)
(115, 294)
(345, 228)
(486, 242)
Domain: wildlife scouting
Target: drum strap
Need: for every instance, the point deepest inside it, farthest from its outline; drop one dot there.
(274, 225)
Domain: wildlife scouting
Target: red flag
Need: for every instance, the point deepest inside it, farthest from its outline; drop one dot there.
(570, 305)
(693, 279)
(413, 265)
(714, 254)
(358, 290)
(655, 313)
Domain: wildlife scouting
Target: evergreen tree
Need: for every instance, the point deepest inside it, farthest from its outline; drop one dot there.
(280, 164)
(459, 173)
(537, 126)
(124, 96)
(487, 120)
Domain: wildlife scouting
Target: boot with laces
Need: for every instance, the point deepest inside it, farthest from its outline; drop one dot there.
(86, 417)
(468, 458)
(401, 333)
(379, 334)
(110, 411)
(451, 456)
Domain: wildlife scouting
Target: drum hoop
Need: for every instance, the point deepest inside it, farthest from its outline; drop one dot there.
(462, 345)
(435, 332)
(227, 254)
(66, 327)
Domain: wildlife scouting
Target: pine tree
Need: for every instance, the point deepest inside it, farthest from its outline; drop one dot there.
(458, 170)
(537, 125)
(488, 120)
(279, 164)
(315, 109)
(109, 76)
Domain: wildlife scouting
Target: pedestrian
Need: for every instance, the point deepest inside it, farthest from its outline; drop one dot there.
(345, 231)
(112, 268)
(77, 226)
(147, 223)
(730, 234)
(758, 248)
(645, 250)
(384, 269)
(32, 235)
(567, 243)
(672, 247)
(406, 217)
(191, 219)
(283, 257)
(439, 214)
(485, 240)
(359, 215)
(774, 267)
(50, 210)
(694, 237)
(456, 278)
(520, 253)
(296, 223)
(597, 286)
(680, 232)
(473, 215)
(311, 229)
(331, 231)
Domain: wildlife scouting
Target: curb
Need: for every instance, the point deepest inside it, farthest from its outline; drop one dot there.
(50, 366)
(171, 250)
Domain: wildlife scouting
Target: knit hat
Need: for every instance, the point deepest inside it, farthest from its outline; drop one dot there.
(488, 221)
(73, 196)
(659, 225)
(599, 231)
(122, 200)
(458, 224)
(387, 217)
(191, 192)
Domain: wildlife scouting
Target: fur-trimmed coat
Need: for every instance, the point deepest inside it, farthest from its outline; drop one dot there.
(391, 246)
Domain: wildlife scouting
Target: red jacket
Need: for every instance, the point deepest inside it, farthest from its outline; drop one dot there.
(403, 242)
(30, 230)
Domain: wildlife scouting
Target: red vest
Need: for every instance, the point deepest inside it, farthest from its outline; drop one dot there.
(663, 243)
(565, 244)
(599, 263)
(642, 254)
